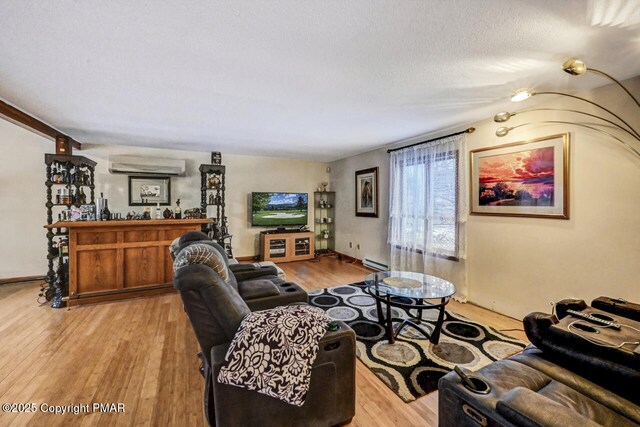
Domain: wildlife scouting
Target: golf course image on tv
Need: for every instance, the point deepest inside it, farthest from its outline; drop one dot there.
(279, 209)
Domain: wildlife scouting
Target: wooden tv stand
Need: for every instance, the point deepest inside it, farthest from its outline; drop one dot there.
(286, 247)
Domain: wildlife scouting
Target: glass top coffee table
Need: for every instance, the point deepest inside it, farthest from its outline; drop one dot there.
(408, 291)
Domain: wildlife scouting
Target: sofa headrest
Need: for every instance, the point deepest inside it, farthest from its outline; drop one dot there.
(204, 252)
(193, 236)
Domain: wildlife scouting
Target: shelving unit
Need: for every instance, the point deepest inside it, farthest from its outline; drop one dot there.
(212, 200)
(285, 247)
(324, 213)
(63, 172)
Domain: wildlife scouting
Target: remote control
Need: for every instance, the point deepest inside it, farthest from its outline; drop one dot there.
(592, 319)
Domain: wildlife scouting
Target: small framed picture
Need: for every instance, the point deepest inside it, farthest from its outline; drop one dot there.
(528, 178)
(149, 190)
(367, 192)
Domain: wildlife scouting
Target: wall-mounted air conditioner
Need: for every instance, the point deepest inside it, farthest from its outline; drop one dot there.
(136, 165)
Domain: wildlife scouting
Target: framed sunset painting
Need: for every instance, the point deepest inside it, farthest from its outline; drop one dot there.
(529, 178)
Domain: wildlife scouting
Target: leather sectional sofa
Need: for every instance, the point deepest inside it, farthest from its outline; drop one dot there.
(260, 287)
(565, 381)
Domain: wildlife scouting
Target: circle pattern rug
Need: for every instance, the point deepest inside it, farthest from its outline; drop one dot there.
(412, 366)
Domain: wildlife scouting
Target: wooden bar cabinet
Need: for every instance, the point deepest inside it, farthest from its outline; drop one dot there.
(110, 260)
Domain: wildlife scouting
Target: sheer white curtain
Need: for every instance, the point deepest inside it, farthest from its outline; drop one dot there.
(428, 210)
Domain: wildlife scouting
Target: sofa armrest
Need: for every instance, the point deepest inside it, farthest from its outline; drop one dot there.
(344, 335)
(330, 400)
(525, 407)
(244, 272)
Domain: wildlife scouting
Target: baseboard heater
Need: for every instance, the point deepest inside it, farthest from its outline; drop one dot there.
(368, 262)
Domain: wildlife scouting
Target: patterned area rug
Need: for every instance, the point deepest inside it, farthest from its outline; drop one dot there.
(412, 366)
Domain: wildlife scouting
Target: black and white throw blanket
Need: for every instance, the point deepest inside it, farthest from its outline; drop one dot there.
(273, 352)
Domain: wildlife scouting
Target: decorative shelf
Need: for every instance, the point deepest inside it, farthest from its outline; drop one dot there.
(56, 285)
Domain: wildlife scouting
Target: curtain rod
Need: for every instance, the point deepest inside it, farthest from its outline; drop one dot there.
(470, 130)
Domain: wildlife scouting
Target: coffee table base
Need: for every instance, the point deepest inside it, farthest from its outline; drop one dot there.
(387, 321)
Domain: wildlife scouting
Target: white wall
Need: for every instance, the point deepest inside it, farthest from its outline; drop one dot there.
(369, 233)
(244, 175)
(22, 177)
(23, 250)
(519, 265)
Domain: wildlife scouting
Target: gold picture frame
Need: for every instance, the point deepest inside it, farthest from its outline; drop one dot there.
(526, 178)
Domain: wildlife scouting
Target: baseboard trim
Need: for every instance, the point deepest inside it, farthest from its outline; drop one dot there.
(20, 279)
(348, 258)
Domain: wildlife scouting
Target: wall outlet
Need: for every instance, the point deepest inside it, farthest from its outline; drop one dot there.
(358, 246)
(351, 245)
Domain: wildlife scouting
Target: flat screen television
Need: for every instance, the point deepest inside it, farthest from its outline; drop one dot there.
(279, 209)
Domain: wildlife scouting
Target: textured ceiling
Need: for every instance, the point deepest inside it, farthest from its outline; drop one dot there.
(301, 79)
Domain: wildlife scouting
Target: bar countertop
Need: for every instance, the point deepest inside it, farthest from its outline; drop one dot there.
(127, 223)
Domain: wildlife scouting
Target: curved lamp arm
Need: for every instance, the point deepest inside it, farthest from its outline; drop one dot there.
(504, 116)
(577, 67)
(503, 131)
(592, 103)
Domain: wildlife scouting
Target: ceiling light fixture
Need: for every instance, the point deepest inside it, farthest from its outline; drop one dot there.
(575, 67)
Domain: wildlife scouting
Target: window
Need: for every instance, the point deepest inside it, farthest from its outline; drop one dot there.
(424, 201)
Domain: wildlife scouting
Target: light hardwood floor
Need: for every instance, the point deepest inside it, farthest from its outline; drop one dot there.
(142, 353)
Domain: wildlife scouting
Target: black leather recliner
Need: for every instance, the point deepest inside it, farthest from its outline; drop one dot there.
(216, 310)
(566, 381)
(260, 287)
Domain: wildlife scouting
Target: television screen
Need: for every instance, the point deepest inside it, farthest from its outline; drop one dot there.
(279, 209)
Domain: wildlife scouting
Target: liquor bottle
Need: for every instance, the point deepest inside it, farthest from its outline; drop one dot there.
(58, 197)
(82, 197)
(105, 215)
(63, 196)
(158, 212)
(177, 213)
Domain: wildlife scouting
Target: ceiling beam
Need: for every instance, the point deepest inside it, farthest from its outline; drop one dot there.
(20, 117)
